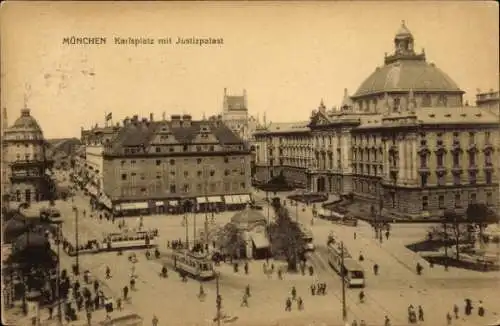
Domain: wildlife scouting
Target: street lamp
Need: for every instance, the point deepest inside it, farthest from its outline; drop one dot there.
(342, 268)
(77, 253)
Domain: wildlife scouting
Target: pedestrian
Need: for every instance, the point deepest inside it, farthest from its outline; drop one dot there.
(108, 272)
(311, 271)
(387, 321)
(246, 267)
(288, 304)
(448, 318)
(480, 309)
(51, 311)
(125, 293)
(155, 320)
(244, 300)
(119, 304)
(96, 286)
(455, 310)
(280, 274)
(420, 313)
(354, 323)
(361, 257)
(247, 290)
(313, 289)
(354, 235)
(132, 284)
(294, 293)
(387, 235)
(375, 269)
(300, 303)
(362, 323)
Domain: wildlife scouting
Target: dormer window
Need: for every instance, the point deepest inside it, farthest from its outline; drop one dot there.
(442, 100)
(426, 101)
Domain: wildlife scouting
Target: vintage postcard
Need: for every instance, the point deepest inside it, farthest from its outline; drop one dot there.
(250, 163)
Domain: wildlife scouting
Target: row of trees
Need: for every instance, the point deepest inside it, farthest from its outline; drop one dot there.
(460, 226)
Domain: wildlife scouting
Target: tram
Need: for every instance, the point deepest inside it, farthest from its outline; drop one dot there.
(196, 265)
(129, 240)
(353, 272)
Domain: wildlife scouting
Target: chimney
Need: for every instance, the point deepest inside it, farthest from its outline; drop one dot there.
(151, 117)
(126, 121)
(225, 92)
(245, 98)
(186, 119)
(176, 120)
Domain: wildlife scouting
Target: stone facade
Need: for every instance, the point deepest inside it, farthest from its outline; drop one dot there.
(28, 170)
(403, 142)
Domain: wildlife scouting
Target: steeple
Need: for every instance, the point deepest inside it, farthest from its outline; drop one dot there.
(322, 106)
(404, 47)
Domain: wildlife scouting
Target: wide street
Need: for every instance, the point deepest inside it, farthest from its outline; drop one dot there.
(397, 285)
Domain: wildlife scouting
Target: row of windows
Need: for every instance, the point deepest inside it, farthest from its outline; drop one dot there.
(456, 159)
(457, 200)
(173, 161)
(199, 173)
(457, 179)
(186, 188)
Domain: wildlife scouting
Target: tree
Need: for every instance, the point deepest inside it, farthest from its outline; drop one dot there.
(480, 215)
(455, 223)
(287, 237)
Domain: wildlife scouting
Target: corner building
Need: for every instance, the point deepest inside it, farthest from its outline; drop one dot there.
(157, 166)
(28, 170)
(404, 143)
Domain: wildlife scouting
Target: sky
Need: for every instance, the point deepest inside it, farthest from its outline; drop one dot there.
(288, 56)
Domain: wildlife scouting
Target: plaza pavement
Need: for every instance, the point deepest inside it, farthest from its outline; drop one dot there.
(397, 286)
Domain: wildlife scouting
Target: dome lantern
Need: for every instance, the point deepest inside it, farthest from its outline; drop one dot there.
(403, 41)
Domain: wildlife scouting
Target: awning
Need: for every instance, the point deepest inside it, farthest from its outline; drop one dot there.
(236, 199)
(118, 208)
(159, 203)
(130, 206)
(245, 198)
(214, 199)
(260, 240)
(228, 199)
(201, 200)
(106, 201)
(173, 203)
(337, 215)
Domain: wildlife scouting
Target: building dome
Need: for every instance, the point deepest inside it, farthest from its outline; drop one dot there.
(406, 75)
(26, 123)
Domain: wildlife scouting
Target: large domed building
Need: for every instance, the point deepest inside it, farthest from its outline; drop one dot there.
(403, 144)
(27, 167)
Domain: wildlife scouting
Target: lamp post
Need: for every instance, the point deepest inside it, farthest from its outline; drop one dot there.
(58, 279)
(186, 223)
(218, 299)
(77, 253)
(344, 307)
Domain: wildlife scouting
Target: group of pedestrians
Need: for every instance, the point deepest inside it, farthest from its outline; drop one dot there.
(294, 298)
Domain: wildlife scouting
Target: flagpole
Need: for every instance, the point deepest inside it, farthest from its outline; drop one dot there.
(105, 119)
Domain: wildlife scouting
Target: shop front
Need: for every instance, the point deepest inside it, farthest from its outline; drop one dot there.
(132, 209)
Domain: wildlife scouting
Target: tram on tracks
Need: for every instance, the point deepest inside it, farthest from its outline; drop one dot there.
(194, 264)
(129, 240)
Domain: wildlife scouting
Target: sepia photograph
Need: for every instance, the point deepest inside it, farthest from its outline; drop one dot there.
(250, 163)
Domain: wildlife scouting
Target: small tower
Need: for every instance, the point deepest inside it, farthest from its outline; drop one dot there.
(403, 41)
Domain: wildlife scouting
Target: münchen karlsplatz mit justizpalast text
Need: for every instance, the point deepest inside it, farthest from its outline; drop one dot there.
(136, 41)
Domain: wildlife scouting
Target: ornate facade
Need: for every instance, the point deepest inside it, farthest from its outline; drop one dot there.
(489, 100)
(403, 142)
(235, 115)
(27, 170)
